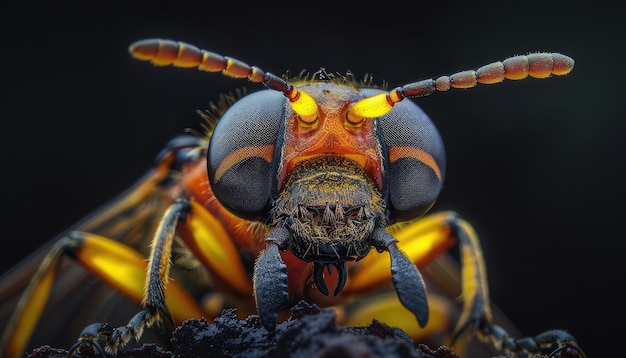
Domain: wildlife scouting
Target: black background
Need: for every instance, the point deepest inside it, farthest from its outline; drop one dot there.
(536, 165)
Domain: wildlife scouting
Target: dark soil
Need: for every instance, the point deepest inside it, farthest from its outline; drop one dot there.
(310, 332)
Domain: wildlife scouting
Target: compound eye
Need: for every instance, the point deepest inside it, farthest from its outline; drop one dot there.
(415, 156)
(241, 154)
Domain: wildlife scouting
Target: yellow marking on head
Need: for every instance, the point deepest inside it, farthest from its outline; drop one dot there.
(304, 105)
(371, 107)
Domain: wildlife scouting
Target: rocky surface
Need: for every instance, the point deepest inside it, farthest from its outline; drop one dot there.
(310, 332)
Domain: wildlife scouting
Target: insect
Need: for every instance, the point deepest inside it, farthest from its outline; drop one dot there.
(283, 199)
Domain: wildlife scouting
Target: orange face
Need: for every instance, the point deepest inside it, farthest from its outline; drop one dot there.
(331, 133)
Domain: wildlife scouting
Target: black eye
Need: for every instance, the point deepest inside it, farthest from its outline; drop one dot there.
(415, 159)
(241, 153)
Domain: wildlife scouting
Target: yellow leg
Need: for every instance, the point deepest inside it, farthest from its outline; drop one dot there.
(114, 263)
(476, 307)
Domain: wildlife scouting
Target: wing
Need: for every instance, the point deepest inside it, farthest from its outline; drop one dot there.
(77, 298)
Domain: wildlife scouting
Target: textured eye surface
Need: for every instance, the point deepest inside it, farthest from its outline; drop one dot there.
(241, 153)
(416, 159)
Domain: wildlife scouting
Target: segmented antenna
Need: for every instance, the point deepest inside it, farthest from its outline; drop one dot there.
(179, 54)
(537, 65)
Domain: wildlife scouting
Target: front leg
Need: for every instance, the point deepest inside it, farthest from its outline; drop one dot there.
(407, 280)
(270, 279)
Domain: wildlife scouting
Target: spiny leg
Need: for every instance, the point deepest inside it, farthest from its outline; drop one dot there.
(477, 310)
(154, 291)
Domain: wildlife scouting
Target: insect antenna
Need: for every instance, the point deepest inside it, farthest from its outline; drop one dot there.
(537, 65)
(179, 54)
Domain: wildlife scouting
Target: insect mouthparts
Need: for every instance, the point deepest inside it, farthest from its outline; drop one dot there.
(318, 276)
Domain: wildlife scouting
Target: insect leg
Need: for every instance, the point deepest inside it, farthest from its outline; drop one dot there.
(421, 240)
(270, 279)
(407, 280)
(476, 307)
(114, 263)
(154, 292)
(553, 343)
